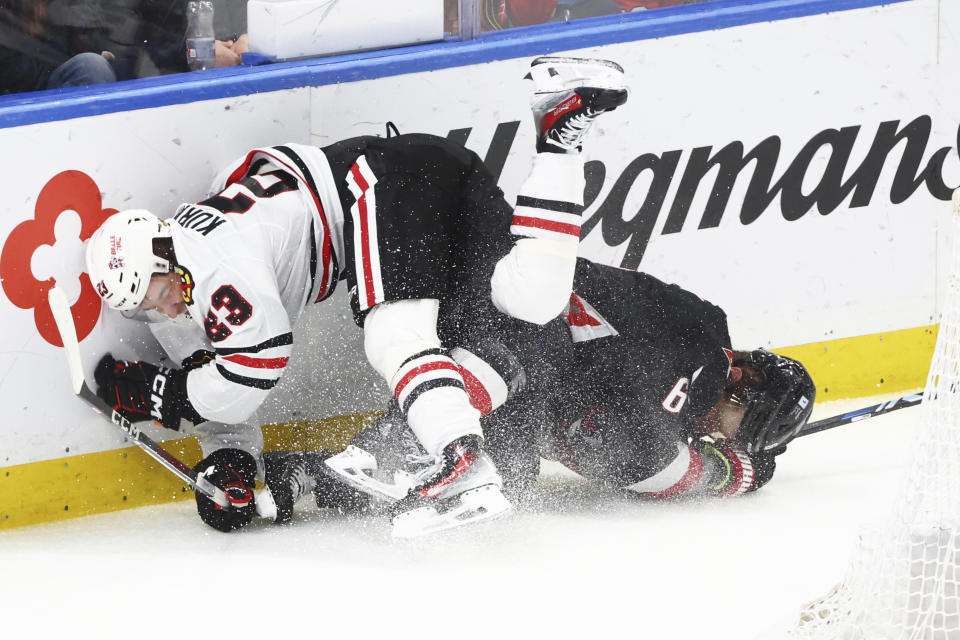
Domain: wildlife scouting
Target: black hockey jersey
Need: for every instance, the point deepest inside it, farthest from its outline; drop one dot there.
(650, 357)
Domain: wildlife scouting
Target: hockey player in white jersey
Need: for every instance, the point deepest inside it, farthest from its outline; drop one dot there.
(431, 254)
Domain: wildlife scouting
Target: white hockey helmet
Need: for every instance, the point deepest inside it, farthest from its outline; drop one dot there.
(121, 260)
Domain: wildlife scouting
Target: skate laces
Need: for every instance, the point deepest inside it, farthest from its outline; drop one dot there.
(414, 452)
(573, 130)
(301, 482)
(418, 461)
(420, 458)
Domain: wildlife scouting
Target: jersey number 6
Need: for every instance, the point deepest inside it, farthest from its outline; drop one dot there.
(677, 397)
(226, 307)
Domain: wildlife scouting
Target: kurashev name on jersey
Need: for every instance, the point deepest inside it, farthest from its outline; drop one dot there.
(200, 220)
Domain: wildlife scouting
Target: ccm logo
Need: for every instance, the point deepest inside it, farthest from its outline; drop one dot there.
(156, 396)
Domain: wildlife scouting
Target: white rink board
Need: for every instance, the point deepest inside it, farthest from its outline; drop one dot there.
(852, 272)
(153, 158)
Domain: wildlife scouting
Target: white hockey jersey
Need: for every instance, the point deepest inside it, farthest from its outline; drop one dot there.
(254, 255)
(270, 240)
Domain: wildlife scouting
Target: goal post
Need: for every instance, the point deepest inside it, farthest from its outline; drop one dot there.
(903, 580)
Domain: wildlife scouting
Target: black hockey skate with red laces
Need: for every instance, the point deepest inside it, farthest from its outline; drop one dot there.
(462, 486)
(569, 94)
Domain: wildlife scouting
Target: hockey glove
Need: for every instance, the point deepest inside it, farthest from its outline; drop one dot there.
(197, 359)
(235, 472)
(727, 468)
(764, 464)
(143, 391)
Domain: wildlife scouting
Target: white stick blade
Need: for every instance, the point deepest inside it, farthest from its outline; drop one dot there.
(68, 334)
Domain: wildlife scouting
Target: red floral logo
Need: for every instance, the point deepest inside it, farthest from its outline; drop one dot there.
(67, 191)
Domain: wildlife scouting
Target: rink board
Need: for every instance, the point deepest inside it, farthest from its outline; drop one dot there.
(835, 258)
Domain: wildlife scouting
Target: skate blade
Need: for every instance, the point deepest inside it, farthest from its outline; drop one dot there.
(265, 505)
(476, 505)
(573, 61)
(554, 74)
(354, 467)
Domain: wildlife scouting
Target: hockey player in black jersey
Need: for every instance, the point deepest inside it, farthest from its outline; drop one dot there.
(655, 402)
(432, 256)
(655, 373)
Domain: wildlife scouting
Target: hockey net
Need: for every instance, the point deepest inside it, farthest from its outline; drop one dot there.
(903, 581)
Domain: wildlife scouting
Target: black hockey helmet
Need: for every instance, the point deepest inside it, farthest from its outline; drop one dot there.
(778, 403)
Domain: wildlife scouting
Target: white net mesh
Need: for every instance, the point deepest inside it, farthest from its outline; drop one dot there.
(903, 582)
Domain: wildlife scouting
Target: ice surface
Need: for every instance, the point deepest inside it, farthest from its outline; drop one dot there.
(580, 562)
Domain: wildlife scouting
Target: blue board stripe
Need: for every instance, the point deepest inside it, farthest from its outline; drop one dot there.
(47, 106)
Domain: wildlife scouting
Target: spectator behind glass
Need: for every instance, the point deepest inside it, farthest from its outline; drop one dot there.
(51, 45)
(230, 29)
(573, 9)
(503, 14)
(520, 13)
(633, 5)
(162, 27)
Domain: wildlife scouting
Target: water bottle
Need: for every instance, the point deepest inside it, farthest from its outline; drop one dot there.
(201, 51)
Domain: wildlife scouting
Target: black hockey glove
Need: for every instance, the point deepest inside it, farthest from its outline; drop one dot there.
(235, 472)
(197, 359)
(143, 391)
(764, 464)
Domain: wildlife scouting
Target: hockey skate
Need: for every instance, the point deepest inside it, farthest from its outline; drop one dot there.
(291, 476)
(383, 459)
(461, 487)
(359, 469)
(569, 94)
(286, 475)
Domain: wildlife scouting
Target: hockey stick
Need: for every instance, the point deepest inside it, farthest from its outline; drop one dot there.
(68, 334)
(860, 414)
